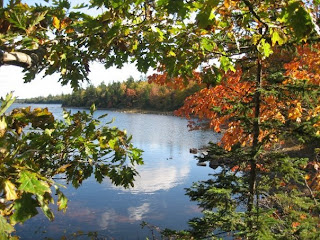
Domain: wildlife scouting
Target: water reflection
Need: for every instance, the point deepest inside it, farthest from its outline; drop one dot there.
(110, 218)
(158, 196)
(158, 177)
(138, 213)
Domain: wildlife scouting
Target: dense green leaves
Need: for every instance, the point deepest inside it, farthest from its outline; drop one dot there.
(31, 159)
(30, 183)
(298, 18)
(24, 208)
(5, 228)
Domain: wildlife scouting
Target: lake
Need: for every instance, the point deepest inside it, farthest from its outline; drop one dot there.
(158, 196)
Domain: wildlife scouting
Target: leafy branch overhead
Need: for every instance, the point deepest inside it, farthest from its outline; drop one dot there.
(76, 147)
(64, 38)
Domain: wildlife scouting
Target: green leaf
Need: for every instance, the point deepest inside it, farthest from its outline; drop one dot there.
(24, 208)
(48, 131)
(213, 3)
(6, 103)
(62, 201)
(112, 143)
(265, 48)
(18, 19)
(5, 227)
(162, 2)
(92, 108)
(206, 44)
(30, 183)
(160, 34)
(171, 54)
(47, 212)
(44, 201)
(277, 37)
(39, 17)
(226, 64)
(203, 18)
(297, 17)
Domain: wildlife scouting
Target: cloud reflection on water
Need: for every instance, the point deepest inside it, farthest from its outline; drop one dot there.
(158, 176)
(110, 218)
(138, 213)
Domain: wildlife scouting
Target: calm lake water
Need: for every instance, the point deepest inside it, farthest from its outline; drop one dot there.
(158, 196)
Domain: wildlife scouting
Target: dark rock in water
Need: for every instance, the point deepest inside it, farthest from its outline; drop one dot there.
(193, 150)
(213, 165)
(218, 162)
(202, 164)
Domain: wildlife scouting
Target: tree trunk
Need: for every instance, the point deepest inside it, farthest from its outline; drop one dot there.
(255, 144)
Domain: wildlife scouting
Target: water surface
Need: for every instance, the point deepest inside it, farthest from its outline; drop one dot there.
(158, 196)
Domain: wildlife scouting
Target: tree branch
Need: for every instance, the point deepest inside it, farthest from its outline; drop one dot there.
(250, 6)
(25, 59)
(16, 58)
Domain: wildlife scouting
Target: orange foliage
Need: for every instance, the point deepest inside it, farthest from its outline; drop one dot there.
(176, 82)
(305, 69)
(306, 66)
(131, 92)
(223, 97)
(218, 105)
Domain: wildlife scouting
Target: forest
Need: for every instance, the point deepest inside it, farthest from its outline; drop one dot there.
(129, 94)
(255, 68)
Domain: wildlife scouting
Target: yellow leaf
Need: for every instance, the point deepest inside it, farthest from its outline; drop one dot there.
(10, 190)
(63, 71)
(3, 126)
(63, 24)
(56, 22)
(171, 54)
(63, 168)
(227, 3)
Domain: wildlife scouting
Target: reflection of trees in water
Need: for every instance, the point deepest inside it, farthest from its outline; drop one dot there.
(285, 205)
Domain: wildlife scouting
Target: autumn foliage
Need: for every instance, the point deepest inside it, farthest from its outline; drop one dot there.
(224, 106)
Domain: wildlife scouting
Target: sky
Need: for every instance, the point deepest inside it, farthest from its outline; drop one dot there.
(11, 77)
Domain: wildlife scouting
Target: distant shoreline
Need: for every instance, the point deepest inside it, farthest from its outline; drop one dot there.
(124, 110)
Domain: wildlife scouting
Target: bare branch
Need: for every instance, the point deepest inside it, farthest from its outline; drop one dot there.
(16, 58)
(25, 59)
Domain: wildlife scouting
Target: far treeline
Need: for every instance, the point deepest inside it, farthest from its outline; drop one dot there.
(120, 95)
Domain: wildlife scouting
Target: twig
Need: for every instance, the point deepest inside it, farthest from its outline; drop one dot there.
(310, 190)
